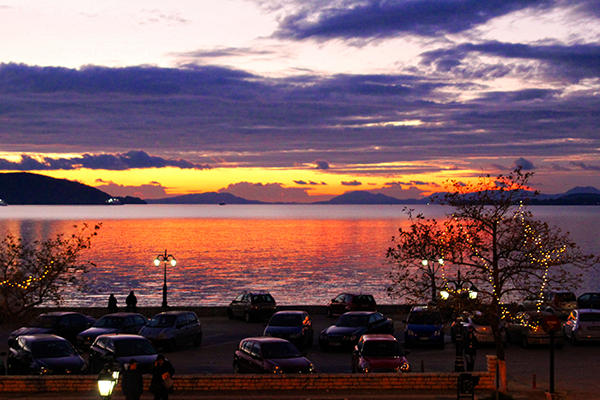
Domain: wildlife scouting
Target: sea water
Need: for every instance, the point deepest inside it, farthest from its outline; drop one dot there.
(302, 254)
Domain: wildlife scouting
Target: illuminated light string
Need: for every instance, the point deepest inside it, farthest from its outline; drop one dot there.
(530, 236)
(26, 283)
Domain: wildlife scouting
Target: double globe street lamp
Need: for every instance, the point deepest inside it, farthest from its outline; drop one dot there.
(166, 259)
(459, 288)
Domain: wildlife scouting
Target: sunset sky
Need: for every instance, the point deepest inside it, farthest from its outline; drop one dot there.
(300, 100)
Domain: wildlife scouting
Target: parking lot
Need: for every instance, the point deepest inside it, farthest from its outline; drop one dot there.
(576, 366)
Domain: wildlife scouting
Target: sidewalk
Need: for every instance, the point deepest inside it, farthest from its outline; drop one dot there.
(287, 395)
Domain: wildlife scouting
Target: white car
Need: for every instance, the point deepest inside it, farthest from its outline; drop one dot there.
(582, 325)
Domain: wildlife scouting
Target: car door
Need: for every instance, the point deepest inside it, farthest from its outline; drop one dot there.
(337, 304)
(237, 305)
(181, 331)
(244, 356)
(19, 358)
(378, 324)
(98, 354)
(75, 324)
(256, 361)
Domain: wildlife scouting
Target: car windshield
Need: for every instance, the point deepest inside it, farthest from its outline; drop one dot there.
(134, 347)
(46, 321)
(262, 298)
(52, 349)
(286, 320)
(562, 297)
(109, 322)
(424, 318)
(479, 319)
(279, 350)
(162, 321)
(589, 317)
(387, 348)
(352, 320)
(364, 299)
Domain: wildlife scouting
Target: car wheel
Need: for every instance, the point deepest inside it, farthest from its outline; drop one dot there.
(198, 340)
(247, 317)
(230, 313)
(524, 342)
(236, 368)
(329, 313)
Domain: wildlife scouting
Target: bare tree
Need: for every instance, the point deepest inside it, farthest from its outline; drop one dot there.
(504, 251)
(36, 272)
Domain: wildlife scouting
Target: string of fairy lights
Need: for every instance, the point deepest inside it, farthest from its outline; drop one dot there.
(30, 280)
(543, 258)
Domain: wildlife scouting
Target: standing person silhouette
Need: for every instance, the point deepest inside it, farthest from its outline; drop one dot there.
(131, 302)
(470, 346)
(112, 304)
(162, 370)
(132, 382)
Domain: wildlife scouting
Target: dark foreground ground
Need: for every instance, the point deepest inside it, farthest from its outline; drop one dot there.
(576, 367)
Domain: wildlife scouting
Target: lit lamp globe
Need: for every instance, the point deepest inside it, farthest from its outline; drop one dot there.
(444, 295)
(106, 383)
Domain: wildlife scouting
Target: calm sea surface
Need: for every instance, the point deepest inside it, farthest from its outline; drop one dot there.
(302, 254)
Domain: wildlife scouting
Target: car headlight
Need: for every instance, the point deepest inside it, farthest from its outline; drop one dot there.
(45, 371)
(410, 333)
(323, 335)
(404, 368)
(295, 335)
(437, 333)
(365, 367)
(351, 338)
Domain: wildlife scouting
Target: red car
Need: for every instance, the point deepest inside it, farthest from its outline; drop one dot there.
(379, 353)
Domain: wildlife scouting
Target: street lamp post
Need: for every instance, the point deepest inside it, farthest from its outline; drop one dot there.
(431, 271)
(460, 287)
(165, 258)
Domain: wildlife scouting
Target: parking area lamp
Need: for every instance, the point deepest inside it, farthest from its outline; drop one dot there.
(431, 272)
(166, 259)
(107, 380)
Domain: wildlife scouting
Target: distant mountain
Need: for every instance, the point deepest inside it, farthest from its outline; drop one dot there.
(365, 197)
(24, 188)
(575, 199)
(204, 198)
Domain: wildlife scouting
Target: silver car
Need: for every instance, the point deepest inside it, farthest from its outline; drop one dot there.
(173, 328)
(582, 325)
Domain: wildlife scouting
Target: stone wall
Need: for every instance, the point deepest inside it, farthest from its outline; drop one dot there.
(409, 381)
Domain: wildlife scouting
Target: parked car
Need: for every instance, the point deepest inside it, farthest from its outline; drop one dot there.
(345, 302)
(557, 302)
(424, 325)
(526, 328)
(349, 327)
(43, 354)
(252, 305)
(295, 326)
(379, 353)
(65, 324)
(170, 329)
(260, 355)
(111, 323)
(589, 300)
(480, 324)
(582, 325)
(121, 348)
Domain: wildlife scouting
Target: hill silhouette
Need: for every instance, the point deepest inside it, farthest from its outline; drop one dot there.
(24, 188)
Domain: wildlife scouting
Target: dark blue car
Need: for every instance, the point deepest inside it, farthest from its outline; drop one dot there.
(424, 325)
(294, 326)
(348, 328)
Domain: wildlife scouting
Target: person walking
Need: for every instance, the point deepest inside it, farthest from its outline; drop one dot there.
(112, 304)
(131, 302)
(161, 384)
(470, 347)
(132, 381)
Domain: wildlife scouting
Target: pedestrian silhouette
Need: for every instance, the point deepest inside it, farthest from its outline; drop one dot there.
(161, 384)
(132, 382)
(131, 302)
(112, 304)
(470, 347)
